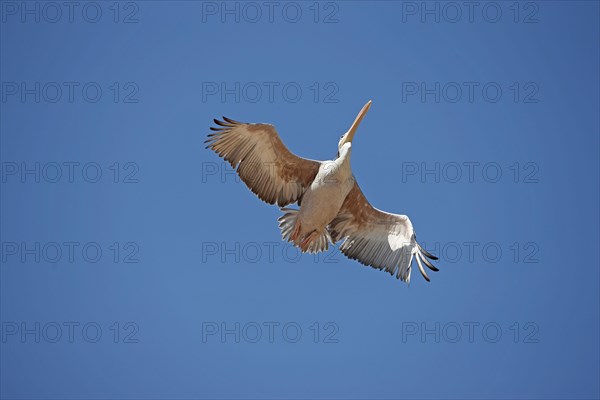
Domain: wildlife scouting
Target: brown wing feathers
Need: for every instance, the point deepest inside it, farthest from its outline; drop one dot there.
(262, 161)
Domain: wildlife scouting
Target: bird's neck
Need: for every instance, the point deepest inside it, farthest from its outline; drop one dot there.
(344, 157)
(343, 161)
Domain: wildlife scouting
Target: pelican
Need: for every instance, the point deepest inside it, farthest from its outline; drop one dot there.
(332, 207)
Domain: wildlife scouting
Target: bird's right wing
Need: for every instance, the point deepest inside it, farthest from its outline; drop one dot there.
(376, 238)
(267, 167)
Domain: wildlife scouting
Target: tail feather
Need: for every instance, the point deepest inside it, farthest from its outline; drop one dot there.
(314, 242)
(287, 223)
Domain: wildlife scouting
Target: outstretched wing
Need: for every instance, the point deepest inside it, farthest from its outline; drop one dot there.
(379, 239)
(267, 167)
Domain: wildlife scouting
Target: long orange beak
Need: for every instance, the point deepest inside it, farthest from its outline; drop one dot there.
(350, 134)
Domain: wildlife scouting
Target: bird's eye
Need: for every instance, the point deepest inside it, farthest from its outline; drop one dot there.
(341, 137)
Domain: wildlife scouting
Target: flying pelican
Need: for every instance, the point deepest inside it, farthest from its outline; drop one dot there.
(332, 206)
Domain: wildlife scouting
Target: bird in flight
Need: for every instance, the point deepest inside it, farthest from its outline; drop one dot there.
(332, 207)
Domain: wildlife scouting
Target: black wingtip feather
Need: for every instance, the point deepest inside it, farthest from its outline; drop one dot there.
(429, 264)
(221, 123)
(428, 254)
(231, 121)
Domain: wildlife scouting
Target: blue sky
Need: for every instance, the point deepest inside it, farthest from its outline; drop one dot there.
(134, 265)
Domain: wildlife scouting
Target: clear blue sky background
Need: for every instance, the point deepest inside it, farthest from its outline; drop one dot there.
(543, 296)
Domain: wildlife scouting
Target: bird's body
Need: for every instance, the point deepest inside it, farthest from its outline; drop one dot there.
(321, 203)
(332, 206)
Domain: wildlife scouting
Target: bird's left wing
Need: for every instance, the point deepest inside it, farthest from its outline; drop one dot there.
(267, 167)
(379, 239)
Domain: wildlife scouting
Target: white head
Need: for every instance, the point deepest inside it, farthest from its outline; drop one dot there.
(348, 136)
